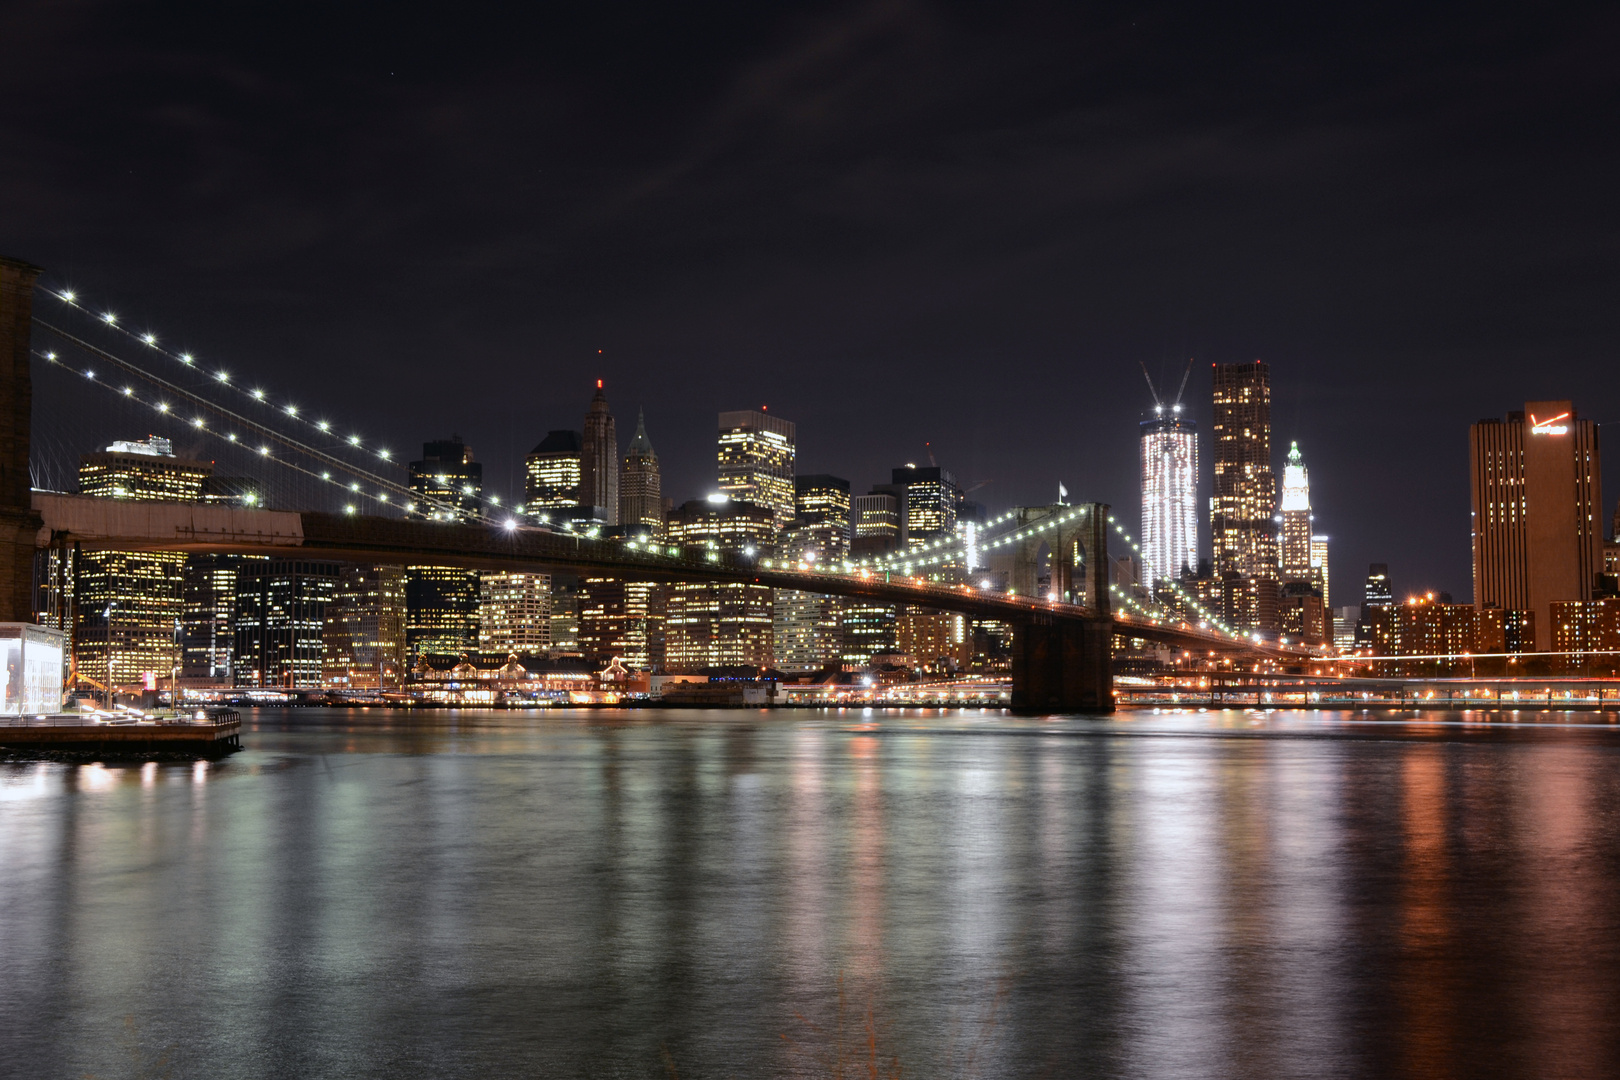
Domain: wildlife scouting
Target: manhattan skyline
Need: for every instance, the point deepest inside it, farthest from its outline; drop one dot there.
(816, 217)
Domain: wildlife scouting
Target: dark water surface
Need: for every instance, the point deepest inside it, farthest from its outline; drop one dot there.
(742, 894)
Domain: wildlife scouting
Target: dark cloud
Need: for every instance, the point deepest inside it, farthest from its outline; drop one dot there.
(896, 222)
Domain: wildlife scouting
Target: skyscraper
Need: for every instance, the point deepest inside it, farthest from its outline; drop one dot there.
(641, 493)
(720, 624)
(930, 499)
(1169, 495)
(514, 611)
(551, 475)
(1294, 539)
(1536, 494)
(206, 637)
(364, 635)
(441, 602)
(1242, 532)
(280, 621)
(756, 455)
(806, 628)
(599, 460)
(1319, 566)
(133, 601)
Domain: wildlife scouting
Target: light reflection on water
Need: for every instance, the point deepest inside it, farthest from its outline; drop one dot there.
(1242, 893)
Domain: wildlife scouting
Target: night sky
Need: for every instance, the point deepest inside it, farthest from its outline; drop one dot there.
(895, 223)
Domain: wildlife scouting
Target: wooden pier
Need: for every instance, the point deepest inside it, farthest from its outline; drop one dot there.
(209, 732)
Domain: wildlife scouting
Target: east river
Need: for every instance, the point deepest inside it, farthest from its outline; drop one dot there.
(761, 894)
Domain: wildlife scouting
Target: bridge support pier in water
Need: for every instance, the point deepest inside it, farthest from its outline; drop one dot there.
(1063, 665)
(19, 524)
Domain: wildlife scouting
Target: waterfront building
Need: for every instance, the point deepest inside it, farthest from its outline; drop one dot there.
(1587, 627)
(936, 641)
(756, 457)
(514, 611)
(1242, 533)
(1536, 491)
(930, 499)
(1169, 495)
(599, 460)
(551, 475)
(364, 636)
(441, 602)
(566, 601)
(132, 603)
(641, 494)
(207, 637)
(1442, 636)
(624, 621)
(280, 621)
(720, 624)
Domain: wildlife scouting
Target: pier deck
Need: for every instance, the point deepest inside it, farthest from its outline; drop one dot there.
(213, 732)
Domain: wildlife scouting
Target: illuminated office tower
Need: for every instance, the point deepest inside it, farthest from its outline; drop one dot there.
(641, 492)
(756, 457)
(1294, 541)
(280, 622)
(623, 620)
(806, 627)
(551, 475)
(1242, 533)
(441, 602)
(1536, 494)
(599, 460)
(1319, 566)
(720, 624)
(514, 611)
(365, 629)
(877, 516)
(1169, 495)
(207, 645)
(133, 600)
(930, 501)
(447, 484)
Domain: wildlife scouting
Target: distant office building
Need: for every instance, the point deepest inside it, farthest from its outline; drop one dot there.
(720, 624)
(364, 635)
(1301, 615)
(820, 499)
(807, 631)
(551, 474)
(207, 637)
(1242, 532)
(756, 457)
(1294, 538)
(566, 602)
(599, 460)
(280, 621)
(935, 641)
(1537, 489)
(641, 493)
(1319, 566)
(931, 498)
(441, 602)
(446, 484)
(132, 601)
(514, 612)
(1425, 628)
(624, 621)
(1376, 596)
(1169, 495)
(1587, 627)
(1344, 627)
(877, 515)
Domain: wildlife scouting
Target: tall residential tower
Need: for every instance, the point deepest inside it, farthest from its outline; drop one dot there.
(756, 454)
(1242, 533)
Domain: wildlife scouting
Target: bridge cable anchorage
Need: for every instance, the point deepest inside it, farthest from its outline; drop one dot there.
(287, 412)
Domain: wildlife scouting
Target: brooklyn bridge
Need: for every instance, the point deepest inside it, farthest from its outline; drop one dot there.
(1048, 565)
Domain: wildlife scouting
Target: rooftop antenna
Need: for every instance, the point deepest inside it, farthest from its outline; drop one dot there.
(930, 448)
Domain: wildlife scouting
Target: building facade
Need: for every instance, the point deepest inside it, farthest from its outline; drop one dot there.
(599, 460)
(207, 638)
(756, 457)
(364, 634)
(1169, 496)
(441, 602)
(280, 622)
(624, 621)
(1536, 491)
(1242, 533)
(641, 489)
(720, 624)
(929, 501)
(551, 475)
(514, 612)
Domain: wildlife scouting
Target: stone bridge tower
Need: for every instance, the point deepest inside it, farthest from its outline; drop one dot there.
(19, 524)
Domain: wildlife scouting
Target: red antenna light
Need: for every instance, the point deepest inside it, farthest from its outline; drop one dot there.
(599, 383)
(764, 408)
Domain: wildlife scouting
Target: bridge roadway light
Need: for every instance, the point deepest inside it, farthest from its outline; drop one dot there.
(67, 294)
(510, 524)
(150, 339)
(110, 318)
